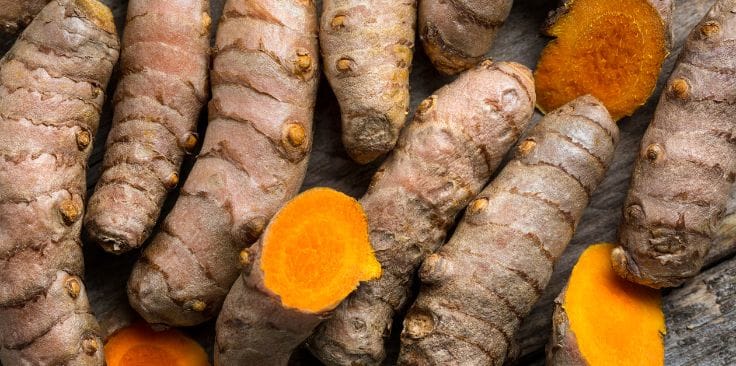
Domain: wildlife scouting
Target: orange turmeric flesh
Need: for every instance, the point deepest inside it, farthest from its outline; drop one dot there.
(316, 250)
(613, 50)
(615, 322)
(139, 345)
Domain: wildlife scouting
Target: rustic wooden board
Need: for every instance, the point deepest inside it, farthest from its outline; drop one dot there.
(521, 41)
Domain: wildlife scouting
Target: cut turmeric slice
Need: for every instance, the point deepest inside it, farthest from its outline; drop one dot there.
(313, 254)
(613, 50)
(139, 345)
(602, 319)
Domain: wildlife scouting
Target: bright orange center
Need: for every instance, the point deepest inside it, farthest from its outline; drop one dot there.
(616, 322)
(316, 251)
(611, 49)
(139, 345)
(148, 355)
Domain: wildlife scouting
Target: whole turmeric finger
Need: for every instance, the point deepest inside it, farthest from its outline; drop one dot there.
(367, 47)
(687, 163)
(445, 156)
(311, 257)
(253, 159)
(52, 85)
(165, 61)
(479, 286)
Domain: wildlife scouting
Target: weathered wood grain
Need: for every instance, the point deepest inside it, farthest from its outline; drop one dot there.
(521, 41)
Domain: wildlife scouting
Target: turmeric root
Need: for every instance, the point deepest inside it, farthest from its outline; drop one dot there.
(52, 85)
(367, 47)
(16, 14)
(479, 286)
(628, 332)
(165, 60)
(444, 158)
(456, 35)
(139, 345)
(687, 162)
(253, 159)
(613, 50)
(313, 254)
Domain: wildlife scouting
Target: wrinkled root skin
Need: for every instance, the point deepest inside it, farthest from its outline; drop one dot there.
(687, 164)
(52, 86)
(479, 286)
(253, 159)
(443, 159)
(457, 34)
(165, 62)
(17, 14)
(254, 328)
(367, 48)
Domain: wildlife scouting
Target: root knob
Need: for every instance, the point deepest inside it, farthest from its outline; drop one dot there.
(344, 64)
(710, 28)
(72, 287)
(254, 228)
(245, 258)
(172, 181)
(195, 305)
(654, 153)
(90, 346)
(70, 211)
(189, 142)
(486, 64)
(426, 104)
(303, 61)
(338, 22)
(296, 135)
(527, 146)
(680, 88)
(477, 206)
(418, 325)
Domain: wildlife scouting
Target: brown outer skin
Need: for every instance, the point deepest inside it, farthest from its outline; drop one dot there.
(443, 159)
(17, 14)
(263, 332)
(562, 349)
(165, 62)
(375, 41)
(250, 164)
(456, 34)
(52, 86)
(479, 286)
(687, 164)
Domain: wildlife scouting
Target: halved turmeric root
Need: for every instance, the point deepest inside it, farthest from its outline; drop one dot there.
(313, 254)
(139, 345)
(611, 49)
(621, 324)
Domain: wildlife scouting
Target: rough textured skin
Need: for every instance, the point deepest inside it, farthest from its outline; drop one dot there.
(456, 34)
(165, 62)
(478, 287)
(52, 86)
(687, 164)
(368, 47)
(444, 158)
(16, 14)
(253, 159)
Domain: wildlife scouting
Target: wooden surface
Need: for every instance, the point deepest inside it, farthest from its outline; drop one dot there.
(519, 40)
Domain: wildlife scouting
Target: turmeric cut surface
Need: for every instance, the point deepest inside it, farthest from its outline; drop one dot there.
(611, 49)
(615, 322)
(316, 251)
(139, 345)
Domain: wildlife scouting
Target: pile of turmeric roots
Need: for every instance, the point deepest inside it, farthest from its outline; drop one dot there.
(472, 204)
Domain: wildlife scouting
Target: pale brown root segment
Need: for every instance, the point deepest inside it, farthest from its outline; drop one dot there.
(368, 47)
(17, 14)
(313, 254)
(139, 345)
(479, 286)
(253, 159)
(443, 159)
(687, 163)
(457, 34)
(613, 50)
(630, 330)
(164, 62)
(52, 85)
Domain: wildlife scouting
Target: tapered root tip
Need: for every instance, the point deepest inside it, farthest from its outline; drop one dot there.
(98, 13)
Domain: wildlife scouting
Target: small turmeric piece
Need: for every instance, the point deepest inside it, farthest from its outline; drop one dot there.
(17, 14)
(613, 50)
(686, 166)
(479, 286)
(313, 254)
(628, 331)
(444, 158)
(456, 35)
(139, 345)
